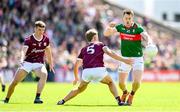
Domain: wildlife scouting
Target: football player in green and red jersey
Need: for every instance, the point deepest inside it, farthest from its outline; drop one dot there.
(131, 35)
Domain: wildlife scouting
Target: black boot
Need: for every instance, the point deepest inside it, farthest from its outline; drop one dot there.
(3, 88)
(38, 101)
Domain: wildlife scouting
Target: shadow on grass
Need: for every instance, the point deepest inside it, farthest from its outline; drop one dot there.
(11, 103)
(79, 105)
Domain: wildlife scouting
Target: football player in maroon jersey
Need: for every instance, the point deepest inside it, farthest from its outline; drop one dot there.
(35, 48)
(91, 58)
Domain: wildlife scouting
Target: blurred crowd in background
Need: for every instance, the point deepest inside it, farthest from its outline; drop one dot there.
(67, 21)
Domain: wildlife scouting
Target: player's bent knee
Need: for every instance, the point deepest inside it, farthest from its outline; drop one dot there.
(43, 76)
(81, 89)
(107, 80)
(110, 82)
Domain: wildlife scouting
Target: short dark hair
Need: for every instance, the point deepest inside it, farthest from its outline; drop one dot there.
(128, 11)
(90, 34)
(40, 24)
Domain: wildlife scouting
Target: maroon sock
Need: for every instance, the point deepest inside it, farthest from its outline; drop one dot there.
(118, 99)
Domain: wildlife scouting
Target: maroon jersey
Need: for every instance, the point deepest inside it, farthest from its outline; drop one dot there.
(36, 49)
(92, 55)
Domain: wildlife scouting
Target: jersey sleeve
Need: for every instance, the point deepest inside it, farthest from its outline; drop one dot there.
(103, 46)
(27, 42)
(118, 27)
(140, 29)
(80, 56)
(48, 42)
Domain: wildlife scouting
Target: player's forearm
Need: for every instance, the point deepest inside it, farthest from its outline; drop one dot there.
(49, 56)
(50, 61)
(146, 37)
(149, 40)
(76, 67)
(115, 56)
(22, 56)
(23, 52)
(112, 54)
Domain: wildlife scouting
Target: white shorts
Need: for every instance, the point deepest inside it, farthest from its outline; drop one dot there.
(138, 65)
(27, 66)
(94, 74)
(1, 73)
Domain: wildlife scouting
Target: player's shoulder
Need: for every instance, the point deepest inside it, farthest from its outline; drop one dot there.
(120, 25)
(93, 44)
(83, 48)
(139, 27)
(45, 36)
(99, 43)
(28, 38)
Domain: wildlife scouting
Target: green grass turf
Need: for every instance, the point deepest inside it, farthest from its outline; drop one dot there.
(151, 97)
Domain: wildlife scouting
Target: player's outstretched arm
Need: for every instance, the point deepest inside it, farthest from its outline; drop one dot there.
(116, 56)
(110, 30)
(146, 37)
(49, 58)
(77, 64)
(23, 52)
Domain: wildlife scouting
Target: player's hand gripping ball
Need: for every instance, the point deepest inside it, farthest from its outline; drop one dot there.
(151, 50)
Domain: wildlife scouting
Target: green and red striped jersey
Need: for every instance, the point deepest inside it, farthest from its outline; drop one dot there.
(130, 40)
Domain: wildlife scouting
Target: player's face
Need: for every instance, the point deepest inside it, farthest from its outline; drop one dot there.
(39, 30)
(128, 20)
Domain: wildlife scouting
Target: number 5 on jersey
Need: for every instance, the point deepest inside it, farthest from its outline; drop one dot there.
(90, 49)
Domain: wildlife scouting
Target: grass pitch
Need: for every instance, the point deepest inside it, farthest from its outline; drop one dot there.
(151, 97)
